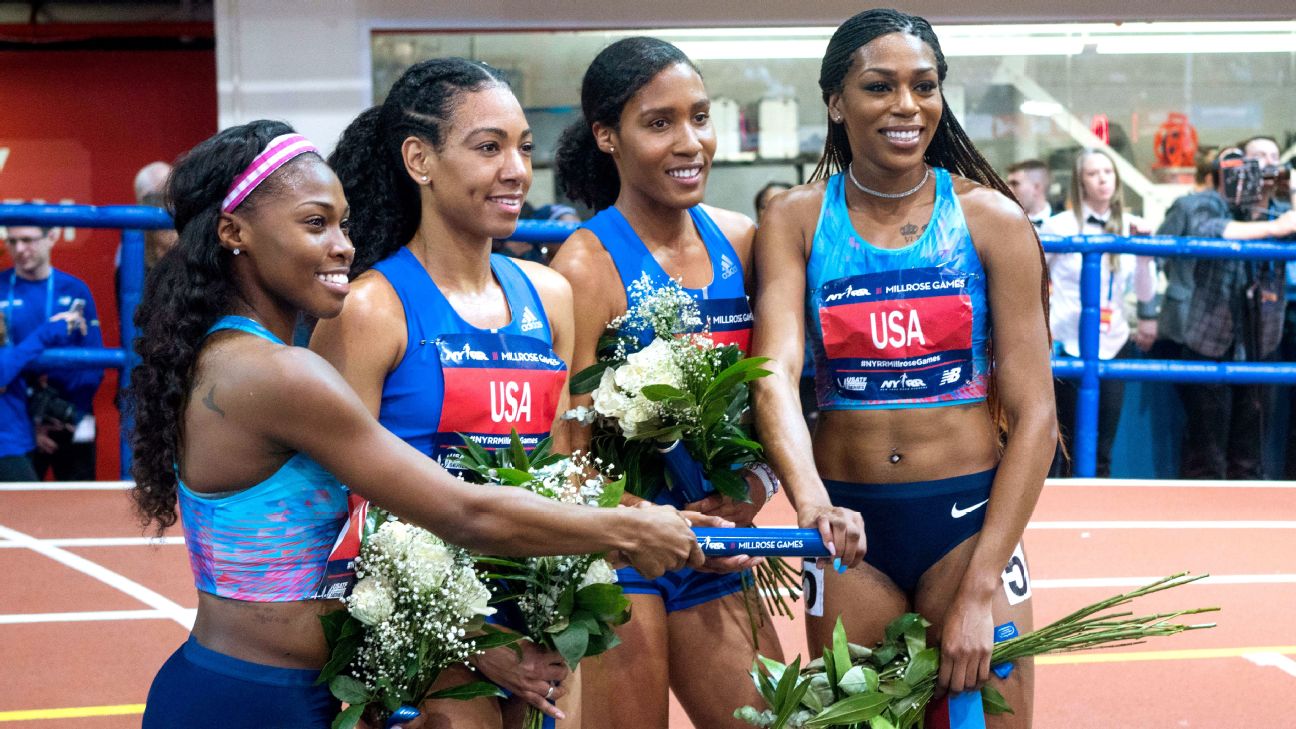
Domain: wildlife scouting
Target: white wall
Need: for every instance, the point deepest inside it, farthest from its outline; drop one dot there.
(307, 62)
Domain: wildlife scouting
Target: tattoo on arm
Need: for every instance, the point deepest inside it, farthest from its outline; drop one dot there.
(210, 402)
(911, 231)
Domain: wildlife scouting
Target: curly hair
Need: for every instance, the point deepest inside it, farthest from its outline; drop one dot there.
(950, 147)
(385, 207)
(186, 292)
(582, 170)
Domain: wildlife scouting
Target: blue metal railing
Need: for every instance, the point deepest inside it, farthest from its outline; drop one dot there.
(1088, 368)
(133, 221)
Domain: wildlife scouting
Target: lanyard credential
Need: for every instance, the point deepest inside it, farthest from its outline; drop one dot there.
(49, 303)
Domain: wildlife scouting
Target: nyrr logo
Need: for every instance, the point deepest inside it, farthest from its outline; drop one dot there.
(904, 382)
(727, 267)
(715, 545)
(467, 352)
(850, 293)
(530, 320)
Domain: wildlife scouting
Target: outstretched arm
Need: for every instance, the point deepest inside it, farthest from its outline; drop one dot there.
(781, 251)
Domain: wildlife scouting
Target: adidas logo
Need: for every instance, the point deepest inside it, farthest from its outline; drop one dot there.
(727, 267)
(530, 320)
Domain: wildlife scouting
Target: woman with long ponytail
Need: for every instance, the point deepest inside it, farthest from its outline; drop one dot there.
(251, 439)
(640, 156)
(922, 289)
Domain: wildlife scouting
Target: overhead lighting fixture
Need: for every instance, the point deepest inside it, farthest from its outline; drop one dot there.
(1032, 107)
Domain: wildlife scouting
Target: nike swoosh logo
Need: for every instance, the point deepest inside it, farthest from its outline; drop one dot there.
(958, 513)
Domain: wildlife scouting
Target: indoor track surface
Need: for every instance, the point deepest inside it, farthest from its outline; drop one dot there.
(91, 607)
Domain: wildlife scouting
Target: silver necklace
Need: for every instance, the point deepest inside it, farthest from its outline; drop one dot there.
(850, 172)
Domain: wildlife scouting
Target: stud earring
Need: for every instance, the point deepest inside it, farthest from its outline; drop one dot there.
(611, 149)
(236, 251)
(424, 178)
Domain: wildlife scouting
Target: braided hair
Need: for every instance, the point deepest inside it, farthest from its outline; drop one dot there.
(950, 147)
(385, 206)
(186, 292)
(583, 171)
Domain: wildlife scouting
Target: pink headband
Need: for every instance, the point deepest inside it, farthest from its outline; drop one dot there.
(277, 153)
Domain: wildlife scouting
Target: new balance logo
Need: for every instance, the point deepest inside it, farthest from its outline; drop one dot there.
(957, 513)
(951, 375)
(530, 320)
(727, 267)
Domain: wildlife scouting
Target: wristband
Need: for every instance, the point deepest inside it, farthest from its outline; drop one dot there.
(768, 479)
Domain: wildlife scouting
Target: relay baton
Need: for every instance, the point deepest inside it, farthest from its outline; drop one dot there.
(761, 542)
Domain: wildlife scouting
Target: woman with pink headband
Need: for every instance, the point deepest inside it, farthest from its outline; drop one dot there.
(249, 437)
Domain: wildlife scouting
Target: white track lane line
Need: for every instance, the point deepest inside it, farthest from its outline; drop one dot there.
(1238, 524)
(1064, 583)
(1276, 660)
(102, 542)
(67, 486)
(75, 617)
(104, 575)
(1165, 483)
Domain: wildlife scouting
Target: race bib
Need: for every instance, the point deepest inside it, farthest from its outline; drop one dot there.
(730, 321)
(495, 384)
(898, 335)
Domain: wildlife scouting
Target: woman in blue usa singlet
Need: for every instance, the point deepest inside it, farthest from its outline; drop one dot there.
(921, 287)
(441, 337)
(640, 157)
(250, 440)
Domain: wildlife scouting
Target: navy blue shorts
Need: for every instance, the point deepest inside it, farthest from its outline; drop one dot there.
(910, 526)
(682, 589)
(199, 688)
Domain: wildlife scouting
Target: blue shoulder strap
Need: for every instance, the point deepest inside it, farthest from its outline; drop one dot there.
(243, 324)
(624, 245)
(525, 307)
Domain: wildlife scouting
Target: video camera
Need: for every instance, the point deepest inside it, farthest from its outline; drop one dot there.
(45, 406)
(1243, 179)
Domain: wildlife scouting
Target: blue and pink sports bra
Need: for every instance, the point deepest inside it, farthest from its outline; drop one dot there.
(896, 328)
(723, 302)
(458, 379)
(269, 542)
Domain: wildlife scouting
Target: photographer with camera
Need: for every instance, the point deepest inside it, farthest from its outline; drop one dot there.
(44, 307)
(1234, 309)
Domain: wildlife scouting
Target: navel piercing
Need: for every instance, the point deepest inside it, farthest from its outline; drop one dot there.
(895, 457)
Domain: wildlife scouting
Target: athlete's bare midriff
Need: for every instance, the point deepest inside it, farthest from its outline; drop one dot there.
(283, 634)
(905, 445)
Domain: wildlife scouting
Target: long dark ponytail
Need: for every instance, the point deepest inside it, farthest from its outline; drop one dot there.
(950, 148)
(184, 295)
(583, 171)
(385, 207)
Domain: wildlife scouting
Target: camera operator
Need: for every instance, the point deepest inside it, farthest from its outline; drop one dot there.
(1234, 311)
(59, 402)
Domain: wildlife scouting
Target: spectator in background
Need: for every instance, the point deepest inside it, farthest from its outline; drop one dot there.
(150, 186)
(1233, 313)
(763, 196)
(1096, 206)
(1029, 181)
(60, 402)
(1178, 270)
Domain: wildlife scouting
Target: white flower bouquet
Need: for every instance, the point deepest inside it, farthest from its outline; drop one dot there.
(890, 685)
(418, 606)
(568, 603)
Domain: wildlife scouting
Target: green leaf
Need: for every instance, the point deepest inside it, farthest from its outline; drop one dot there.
(921, 666)
(540, 454)
(517, 454)
(787, 682)
(494, 638)
(841, 652)
(885, 653)
(612, 493)
(468, 692)
(915, 635)
(855, 681)
(587, 380)
(901, 625)
(657, 393)
(729, 483)
(341, 656)
(852, 710)
(512, 476)
(733, 376)
(881, 722)
(764, 684)
(993, 702)
(349, 690)
(608, 602)
(350, 718)
(571, 643)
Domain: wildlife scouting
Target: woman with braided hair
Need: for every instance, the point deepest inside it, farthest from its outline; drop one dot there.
(921, 285)
(251, 440)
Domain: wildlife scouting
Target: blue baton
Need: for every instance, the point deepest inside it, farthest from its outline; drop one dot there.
(761, 542)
